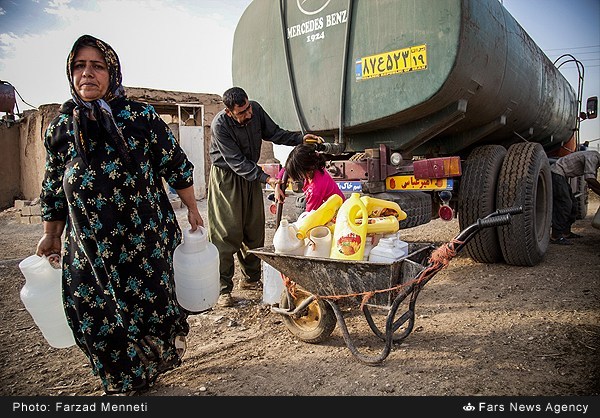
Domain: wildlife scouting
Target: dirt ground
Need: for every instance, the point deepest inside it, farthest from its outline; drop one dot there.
(480, 330)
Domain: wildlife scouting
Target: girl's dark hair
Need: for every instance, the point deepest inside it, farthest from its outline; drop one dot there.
(302, 160)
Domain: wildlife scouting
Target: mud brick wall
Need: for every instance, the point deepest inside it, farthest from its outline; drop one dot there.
(28, 212)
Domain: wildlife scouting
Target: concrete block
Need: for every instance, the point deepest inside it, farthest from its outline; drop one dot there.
(35, 219)
(26, 210)
(36, 210)
(25, 219)
(19, 204)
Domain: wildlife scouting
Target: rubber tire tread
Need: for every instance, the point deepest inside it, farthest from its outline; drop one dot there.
(525, 180)
(579, 185)
(477, 199)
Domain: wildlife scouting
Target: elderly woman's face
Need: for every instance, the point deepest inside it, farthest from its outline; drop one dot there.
(90, 74)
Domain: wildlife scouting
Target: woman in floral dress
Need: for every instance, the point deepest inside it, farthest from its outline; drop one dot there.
(103, 193)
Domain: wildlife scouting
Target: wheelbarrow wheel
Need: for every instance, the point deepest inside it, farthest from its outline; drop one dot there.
(315, 324)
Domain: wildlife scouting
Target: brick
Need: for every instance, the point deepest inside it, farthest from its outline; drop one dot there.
(26, 210)
(19, 204)
(35, 219)
(25, 219)
(36, 210)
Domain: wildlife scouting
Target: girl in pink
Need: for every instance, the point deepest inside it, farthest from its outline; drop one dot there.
(305, 163)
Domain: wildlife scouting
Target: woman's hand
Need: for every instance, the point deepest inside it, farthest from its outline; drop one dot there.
(195, 219)
(51, 242)
(189, 200)
(49, 245)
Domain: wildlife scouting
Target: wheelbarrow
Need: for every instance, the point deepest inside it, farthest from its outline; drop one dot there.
(316, 289)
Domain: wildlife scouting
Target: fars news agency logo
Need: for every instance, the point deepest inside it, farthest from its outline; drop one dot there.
(468, 407)
(312, 7)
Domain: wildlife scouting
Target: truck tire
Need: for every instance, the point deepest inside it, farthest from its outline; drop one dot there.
(525, 181)
(580, 190)
(477, 199)
(417, 206)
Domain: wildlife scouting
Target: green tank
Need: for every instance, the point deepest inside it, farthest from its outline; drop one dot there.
(421, 77)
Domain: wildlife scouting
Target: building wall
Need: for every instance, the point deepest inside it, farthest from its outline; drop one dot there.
(10, 171)
(22, 167)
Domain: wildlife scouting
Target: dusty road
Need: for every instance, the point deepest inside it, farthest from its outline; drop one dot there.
(490, 330)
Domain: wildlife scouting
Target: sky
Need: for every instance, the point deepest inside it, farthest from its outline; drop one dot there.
(185, 45)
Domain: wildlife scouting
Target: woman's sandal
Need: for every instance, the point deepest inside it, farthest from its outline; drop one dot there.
(180, 345)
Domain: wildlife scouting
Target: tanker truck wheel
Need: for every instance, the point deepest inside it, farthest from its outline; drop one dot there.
(315, 324)
(580, 190)
(477, 198)
(525, 181)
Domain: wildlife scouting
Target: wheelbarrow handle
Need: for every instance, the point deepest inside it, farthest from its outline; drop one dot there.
(498, 218)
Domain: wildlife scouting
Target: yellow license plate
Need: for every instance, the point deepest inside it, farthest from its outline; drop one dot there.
(412, 183)
(413, 58)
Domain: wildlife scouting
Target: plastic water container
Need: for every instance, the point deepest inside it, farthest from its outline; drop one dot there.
(388, 250)
(320, 216)
(349, 236)
(42, 297)
(286, 241)
(381, 208)
(382, 225)
(196, 268)
(272, 284)
(319, 242)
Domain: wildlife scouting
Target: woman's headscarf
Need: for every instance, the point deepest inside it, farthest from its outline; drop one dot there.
(100, 107)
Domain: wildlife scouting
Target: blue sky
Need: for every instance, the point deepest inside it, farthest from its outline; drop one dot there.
(185, 45)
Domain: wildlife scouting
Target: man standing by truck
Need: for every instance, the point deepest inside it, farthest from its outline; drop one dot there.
(236, 218)
(580, 163)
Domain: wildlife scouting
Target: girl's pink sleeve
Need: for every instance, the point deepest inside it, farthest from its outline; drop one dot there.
(280, 174)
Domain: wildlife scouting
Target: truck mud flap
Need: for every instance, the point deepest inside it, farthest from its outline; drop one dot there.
(525, 181)
(417, 205)
(477, 199)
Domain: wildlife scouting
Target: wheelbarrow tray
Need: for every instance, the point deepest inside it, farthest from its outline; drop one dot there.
(332, 277)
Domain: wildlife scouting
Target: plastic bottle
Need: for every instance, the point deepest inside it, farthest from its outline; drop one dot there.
(382, 224)
(368, 246)
(381, 207)
(349, 237)
(402, 246)
(286, 239)
(386, 251)
(272, 284)
(319, 242)
(196, 268)
(42, 296)
(320, 216)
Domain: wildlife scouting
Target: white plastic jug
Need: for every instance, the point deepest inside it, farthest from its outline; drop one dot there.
(388, 251)
(196, 268)
(285, 240)
(42, 297)
(272, 284)
(318, 242)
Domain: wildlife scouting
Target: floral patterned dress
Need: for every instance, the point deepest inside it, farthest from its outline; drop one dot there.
(120, 234)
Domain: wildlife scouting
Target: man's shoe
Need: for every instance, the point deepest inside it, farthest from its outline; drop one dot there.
(249, 285)
(225, 300)
(572, 235)
(560, 241)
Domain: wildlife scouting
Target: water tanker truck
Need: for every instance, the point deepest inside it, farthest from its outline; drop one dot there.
(446, 107)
